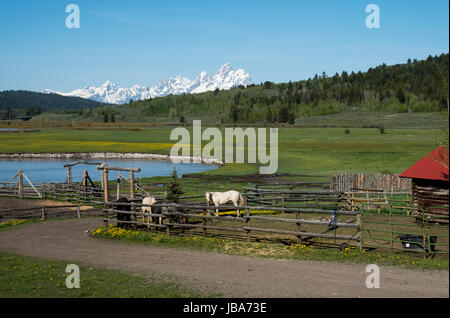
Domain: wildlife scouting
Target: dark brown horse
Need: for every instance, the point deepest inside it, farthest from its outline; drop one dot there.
(123, 216)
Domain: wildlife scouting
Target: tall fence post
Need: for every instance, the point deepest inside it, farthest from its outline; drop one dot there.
(85, 180)
(69, 175)
(20, 178)
(105, 187)
(118, 186)
(131, 185)
(133, 207)
(105, 196)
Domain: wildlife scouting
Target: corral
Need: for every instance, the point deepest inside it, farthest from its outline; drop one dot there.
(287, 213)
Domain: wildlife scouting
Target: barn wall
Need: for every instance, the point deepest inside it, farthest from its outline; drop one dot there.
(431, 193)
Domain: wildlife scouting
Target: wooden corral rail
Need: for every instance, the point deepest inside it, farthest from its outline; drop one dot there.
(378, 200)
(284, 198)
(72, 192)
(297, 185)
(19, 188)
(238, 224)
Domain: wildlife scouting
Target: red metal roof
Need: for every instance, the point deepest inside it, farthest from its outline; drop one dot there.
(433, 166)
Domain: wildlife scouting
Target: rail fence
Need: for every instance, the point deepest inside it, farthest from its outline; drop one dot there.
(298, 198)
(299, 224)
(364, 218)
(366, 229)
(50, 211)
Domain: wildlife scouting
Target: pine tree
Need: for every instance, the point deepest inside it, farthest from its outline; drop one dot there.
(269, 115)
(173, 188)
(401, 96)
(283, 114)
(291, 118)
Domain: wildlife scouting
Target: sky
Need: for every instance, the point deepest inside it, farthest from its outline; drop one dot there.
(144, 41)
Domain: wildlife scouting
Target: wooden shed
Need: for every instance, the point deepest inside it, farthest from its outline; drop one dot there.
(430, 184)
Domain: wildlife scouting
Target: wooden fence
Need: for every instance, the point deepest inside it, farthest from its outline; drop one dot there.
(301, 224)
(365, 181)
(51, 211)
(298, 198)
(20, 188)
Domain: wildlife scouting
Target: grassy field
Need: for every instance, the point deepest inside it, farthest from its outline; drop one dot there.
(302, 151)
(25, 277)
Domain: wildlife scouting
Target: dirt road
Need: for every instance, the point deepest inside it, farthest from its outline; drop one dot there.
(229, 275)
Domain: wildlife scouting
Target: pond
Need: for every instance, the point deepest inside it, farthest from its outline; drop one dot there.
(52, 170)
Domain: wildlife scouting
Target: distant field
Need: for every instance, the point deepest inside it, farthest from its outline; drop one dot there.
(372, 119)
(352, 119)
(305, 151)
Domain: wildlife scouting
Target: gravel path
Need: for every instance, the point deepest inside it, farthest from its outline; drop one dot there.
(229, 275)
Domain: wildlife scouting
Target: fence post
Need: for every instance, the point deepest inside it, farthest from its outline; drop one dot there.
(43, 213)
(299, 237)
(105, 197)
(78, 212)
(85, 180)
(20, 178)
(353, 202)
(391, 229)
(69, 175)
(408, 212)
(204, 219)
(247, 224)
(131, 185)
(378, 204)
(133, 207)
(118, 186)
(360, 230)
(105, 185)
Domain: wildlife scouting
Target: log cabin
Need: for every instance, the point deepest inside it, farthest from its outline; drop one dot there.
(430, 184)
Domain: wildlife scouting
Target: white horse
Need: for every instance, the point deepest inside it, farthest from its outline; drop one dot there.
(219, 198)
(147, 210)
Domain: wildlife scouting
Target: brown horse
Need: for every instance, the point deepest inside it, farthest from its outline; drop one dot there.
(124, 217)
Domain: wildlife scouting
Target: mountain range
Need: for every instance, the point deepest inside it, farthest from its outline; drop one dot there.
(225, 78)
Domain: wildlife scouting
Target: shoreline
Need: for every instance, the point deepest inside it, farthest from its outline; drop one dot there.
(112, 155)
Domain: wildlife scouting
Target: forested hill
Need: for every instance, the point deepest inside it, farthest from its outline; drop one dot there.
(27, 103)
(415, 86)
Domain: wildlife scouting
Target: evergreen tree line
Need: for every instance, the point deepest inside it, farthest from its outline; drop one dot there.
(415, 86)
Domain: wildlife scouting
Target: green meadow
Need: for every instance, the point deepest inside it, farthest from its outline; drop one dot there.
(302, 151)
(26, 277)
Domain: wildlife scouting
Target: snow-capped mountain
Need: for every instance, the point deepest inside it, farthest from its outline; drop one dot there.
(224, 78)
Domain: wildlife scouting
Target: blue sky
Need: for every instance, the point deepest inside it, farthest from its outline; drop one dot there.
(131, 42)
